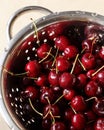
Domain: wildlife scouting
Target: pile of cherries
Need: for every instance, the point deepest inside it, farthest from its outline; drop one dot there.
(55, 79)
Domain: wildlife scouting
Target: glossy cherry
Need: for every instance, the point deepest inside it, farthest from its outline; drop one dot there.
(78, 103)
(101, 53)
(62, 64)
(99, 124)
(67, 80)
(62, 42)
(78, 121)
(58, 126)
(32, 68)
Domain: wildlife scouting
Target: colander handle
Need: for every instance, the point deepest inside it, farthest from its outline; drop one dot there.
(18, 13)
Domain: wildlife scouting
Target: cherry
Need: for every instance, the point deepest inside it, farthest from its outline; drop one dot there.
(69, 93)
(101, 53)
(58, 126)
(62, 42)
(99, 124)
(47, 93)
(78, 121)
(93, 89)
(43, 50)
(78, 103)
(68, 114)
(41, 80)
(53, 78)
(70, 51)
(62, 64)
(31, 92)
(87, 45)
(32, 68)
(54, 30)
(100, 77)
(98, 107)
(46, 123)
(90, 115)
(67, 80)
(88, 60)
(89, 74)
(82, 80)
(51, 111)
(77, 69)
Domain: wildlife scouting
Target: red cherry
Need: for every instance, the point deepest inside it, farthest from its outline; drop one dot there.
(90, 115)
(101, 53)
(67, 80)
(42, 50)
(62, 42)
(78, 121)
(31, 92)
(87, 45)
(47, 93)
(69, 93)
(88, 61)
(93, 89)
(68, 114)
(78, 103)
(41, 80)
(58, 126)
(32, 68)
(54, 109)
(98, 107)
(54, 30)
(53, 78)
(70, 51)
(100, 77)
(62, 64)
(82, 80)
(99, 124)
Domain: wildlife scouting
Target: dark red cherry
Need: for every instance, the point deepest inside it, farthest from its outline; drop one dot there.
(70, 51)
(88, 60)
(62, 42)
(98, 107)
(53, 109)
(32, 68)
(93, 89)
(100, 77)
(58, 126)
(78, 103)
(62, 64)
(54, 30)
(78, 121)
(46, 123)
(42, 80)
(101, 53)
(87, 45)
(53, 78)
(99, 124)
(78, 68)
(69, 93)
(89, 74)
(31, 92)
(68, 114)
(82, 80)
(43, 50)
(67, 80)
(47, 93)
(90, 115)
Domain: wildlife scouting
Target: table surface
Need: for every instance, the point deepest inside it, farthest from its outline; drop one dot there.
(8, 7)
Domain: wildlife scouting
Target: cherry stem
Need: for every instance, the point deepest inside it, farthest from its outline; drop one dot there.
(93, 42)
(97, 71)
(48, 100)
(83, 50)
(91, 99)
(11, 73)
(53, 118)
(76, 58)
(73, 109)
(46, 56)
(36, 32)
(34, 108)
(58, 99)
(55, 57)
(82, 65)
